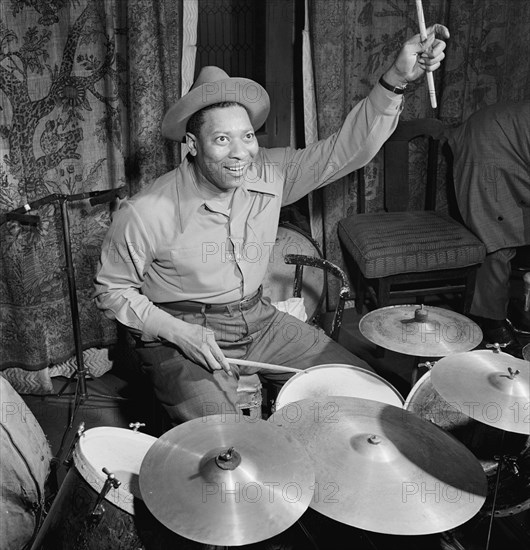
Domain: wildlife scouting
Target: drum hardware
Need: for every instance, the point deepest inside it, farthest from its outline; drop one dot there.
(424, 331)
(379, 467)
(496, 347)
(136, 426)
(502, 461)
(213, 479)
(110, 483)
(415, 373)
(68, 458)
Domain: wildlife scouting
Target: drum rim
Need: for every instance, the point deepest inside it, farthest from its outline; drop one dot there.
(120, 497)
(341, 365)
(415, 388)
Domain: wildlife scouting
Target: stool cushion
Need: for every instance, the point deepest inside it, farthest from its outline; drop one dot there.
(389, 243)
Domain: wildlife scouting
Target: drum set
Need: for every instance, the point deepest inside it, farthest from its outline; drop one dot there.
(341, 443)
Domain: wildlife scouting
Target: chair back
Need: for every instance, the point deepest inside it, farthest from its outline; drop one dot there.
(396, 163)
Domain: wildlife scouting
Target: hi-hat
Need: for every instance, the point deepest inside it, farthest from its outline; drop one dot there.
(227, 480)
(423, 331)
(381, 468)
(488, 385)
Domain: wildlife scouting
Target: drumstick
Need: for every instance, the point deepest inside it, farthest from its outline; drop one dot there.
(423, 35)
(258, 365)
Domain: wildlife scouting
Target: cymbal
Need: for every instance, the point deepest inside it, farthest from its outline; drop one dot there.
(488, 385)
(383, 469)
(227, 480)
(423, 331)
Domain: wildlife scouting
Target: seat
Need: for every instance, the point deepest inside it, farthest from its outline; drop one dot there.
(404, 254)
(296, 282)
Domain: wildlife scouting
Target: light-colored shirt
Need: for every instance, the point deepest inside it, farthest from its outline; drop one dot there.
(172, 243)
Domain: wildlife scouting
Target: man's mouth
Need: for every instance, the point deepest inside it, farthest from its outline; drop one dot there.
(237, 170)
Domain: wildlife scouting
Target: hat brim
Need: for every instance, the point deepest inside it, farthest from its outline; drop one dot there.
(251, 95)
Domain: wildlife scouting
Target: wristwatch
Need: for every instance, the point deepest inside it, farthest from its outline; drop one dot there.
(390, 88)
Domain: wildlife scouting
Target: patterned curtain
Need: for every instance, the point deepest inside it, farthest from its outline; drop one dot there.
(83, 88)
(355, 41)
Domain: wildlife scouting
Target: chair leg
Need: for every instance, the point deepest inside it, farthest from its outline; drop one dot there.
(383, 293)
(469, 290)
(359, 284)
(383, 299)
(359, 298)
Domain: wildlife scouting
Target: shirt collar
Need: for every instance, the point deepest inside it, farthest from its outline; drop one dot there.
(189, 200)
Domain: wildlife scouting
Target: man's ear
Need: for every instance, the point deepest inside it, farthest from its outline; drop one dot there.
(191, 142)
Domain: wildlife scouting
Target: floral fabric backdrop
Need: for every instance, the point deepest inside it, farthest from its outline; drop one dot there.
(83, 87)
(486, 62)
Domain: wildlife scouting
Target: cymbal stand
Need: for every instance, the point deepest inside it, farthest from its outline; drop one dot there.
(503, 459)
(22, 216)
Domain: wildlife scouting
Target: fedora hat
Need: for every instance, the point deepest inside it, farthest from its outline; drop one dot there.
(212, 86)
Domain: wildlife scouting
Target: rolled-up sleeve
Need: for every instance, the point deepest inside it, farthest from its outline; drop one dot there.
(125, 258)
(364, 131)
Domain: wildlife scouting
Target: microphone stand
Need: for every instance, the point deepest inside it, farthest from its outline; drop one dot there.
(22, 216)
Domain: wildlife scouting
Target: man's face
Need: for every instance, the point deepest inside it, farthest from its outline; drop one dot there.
(224, 148)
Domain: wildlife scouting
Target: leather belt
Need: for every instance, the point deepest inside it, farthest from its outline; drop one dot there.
(199, 307)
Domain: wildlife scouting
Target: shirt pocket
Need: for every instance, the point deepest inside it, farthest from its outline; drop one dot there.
(196, 267)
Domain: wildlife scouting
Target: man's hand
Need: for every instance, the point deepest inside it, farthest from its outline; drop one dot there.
(417, 56)
(197, 344)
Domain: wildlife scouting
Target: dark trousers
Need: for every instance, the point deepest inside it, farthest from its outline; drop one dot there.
(261, 333)
(492, 287)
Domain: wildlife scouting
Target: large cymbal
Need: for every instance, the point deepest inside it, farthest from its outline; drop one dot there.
(381, 468)
(423, 331)
(226, 480)
(488, 385)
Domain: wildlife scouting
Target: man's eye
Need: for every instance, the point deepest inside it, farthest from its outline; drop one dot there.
(222, 139)
(250, 135)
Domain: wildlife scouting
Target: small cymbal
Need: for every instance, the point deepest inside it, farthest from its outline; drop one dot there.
(488, 385)
(422, 331)
(227, 480)
(383, 469)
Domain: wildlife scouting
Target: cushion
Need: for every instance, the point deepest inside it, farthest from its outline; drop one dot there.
(388, 243)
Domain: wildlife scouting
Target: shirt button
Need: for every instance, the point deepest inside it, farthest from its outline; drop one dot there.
(500, 218)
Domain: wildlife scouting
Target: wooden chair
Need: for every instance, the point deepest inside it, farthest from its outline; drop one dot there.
(404, 254)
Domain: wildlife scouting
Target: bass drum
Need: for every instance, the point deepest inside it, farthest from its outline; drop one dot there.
(279, 279)
(484, 442)
(24, 467)
(80, 518)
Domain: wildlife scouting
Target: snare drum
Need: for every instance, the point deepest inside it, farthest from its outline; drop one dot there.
(338, 380)
(483, 441)
(76, 520)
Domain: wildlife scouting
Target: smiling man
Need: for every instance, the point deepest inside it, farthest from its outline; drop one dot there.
(183, 261)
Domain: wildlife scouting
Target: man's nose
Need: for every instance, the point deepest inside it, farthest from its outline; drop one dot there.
(238, 149)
